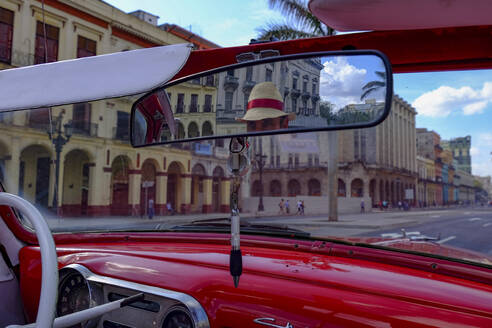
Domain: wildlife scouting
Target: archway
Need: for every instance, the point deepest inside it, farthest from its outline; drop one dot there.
(256, 190)
(387, 192)
(75, 194)
(207, 129)
(357, 188)
(314, 187)
(197, 195)
(342, 190)
(34, 175)
(218, 174)
(174, 187)
(381, 190)
(372, 190)
(193, 130)
(120, 186)
(294, 188)
(275, 188)
(181, 131)
(148, 186)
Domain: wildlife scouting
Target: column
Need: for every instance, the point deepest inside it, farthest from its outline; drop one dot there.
(12, 166)
(161, 193)
(99, 202)
(185, 206)
(134, 186)
(225, 195)
(207, 195)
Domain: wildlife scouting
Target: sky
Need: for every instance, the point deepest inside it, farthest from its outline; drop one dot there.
(453, 104)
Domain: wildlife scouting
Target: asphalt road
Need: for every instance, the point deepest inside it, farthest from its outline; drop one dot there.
(464, 228)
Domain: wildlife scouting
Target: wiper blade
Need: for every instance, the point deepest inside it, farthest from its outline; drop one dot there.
(246, 227)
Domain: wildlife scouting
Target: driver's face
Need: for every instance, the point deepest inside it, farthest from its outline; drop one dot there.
(268, 124)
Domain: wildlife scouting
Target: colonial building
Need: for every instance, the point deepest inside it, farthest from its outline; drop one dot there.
(98, 172)
(460, 148)
(429, 146)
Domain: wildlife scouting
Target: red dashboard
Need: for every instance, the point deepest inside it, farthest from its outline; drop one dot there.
(302, 283)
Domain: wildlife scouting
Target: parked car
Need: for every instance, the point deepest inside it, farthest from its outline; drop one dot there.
(211, 256)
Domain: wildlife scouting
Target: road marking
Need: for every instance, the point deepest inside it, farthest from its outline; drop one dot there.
(474, 219)
(400, 234)
(435, 216)
(442, 241)
(487, 224)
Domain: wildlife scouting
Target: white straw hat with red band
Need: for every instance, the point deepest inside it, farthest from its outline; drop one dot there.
(265, 102)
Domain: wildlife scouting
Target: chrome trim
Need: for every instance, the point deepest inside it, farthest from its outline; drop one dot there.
(198, 314)
(262, 321)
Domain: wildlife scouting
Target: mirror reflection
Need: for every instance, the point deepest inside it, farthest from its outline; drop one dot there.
(303, 94)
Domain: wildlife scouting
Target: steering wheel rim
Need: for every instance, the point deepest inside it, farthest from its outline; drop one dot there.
(49, 278)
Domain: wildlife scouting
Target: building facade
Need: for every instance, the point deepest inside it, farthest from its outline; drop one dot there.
(460, 149)
(98, 173)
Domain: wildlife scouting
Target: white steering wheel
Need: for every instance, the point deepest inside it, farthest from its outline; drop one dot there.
(49, 282)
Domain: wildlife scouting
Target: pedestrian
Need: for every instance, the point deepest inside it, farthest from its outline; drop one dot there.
(399, 205)
(287, 208)
(169, 208)
(281, 207)
(380, 204)
(150, 209)
(299, 207)
(302, 207)
(362, 209)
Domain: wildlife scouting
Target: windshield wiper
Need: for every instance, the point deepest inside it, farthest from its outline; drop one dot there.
(223, 225)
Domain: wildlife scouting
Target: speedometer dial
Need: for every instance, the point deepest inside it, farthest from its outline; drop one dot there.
(74, 295)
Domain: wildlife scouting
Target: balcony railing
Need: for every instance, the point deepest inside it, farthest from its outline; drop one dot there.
(180, 108)
(194, 108)
(306, 95)
(231, 82)
(122, 134)
(85, 128)
(294, 93)
(208, 108)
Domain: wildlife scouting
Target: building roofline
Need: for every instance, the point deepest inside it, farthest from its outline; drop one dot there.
(181, 32)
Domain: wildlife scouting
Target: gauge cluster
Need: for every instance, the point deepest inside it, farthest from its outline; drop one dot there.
(80, 289)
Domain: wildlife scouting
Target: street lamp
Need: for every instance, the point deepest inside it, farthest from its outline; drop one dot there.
(59, 139)
(260, 163)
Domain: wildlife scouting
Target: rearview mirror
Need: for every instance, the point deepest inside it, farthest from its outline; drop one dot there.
(283, 94)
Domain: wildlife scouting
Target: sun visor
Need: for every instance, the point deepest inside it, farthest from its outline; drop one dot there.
(91, 78)
(384, 15)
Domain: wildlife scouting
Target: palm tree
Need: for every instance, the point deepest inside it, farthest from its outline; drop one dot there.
(374, 86)
(300, 23)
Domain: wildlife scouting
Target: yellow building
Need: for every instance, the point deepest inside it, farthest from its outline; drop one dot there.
(99, 173)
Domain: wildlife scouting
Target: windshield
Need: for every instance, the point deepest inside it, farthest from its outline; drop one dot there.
(422, 177)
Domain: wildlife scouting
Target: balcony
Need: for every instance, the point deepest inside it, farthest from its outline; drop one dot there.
(179, 108)
(248, 85)
(194, 108)
(122, 134)
(295, 93)
(315, 97)
(85, 128)
(305, 95)
(231, 82)
(208, 108)
(210, 81)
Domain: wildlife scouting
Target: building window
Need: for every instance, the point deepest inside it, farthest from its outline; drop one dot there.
(294, 105)
(310, 160)
(81, 119)
(207, 107)
(209, 81)
(296, 160)
(122, 126)
(6, 33)
(314, 89)
(52, 37)
(290, 160)
(294, 83)
(180, 103)
(228, 100)
(356, 145)
(277, 160)
(194, 103)
(230, 72)
(86, 47)
(246, 97)
(268, 75)
(249, 74)
(316, 160)
(304, 86)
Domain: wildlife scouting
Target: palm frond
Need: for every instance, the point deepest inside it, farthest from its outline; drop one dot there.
(373, 84)
(282, 32)
(381, 74)
(367, 92)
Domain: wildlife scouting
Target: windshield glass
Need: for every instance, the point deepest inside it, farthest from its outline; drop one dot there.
(419, 181)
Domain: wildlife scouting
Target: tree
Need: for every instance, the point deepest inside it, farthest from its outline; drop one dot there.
(300, 23)
(374, 86)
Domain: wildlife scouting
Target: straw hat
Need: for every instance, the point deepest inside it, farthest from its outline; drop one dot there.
(265, 102)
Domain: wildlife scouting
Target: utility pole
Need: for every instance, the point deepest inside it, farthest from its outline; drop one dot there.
(332, 173)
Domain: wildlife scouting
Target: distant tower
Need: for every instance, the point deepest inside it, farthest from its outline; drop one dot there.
(460, 147)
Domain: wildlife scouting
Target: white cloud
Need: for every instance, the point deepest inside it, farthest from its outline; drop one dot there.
(485, 139)
(482, 168)
(445, 100)
(474, 151)
(341, 83)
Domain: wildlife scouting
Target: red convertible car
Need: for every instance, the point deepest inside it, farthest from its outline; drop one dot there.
(207, 194)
